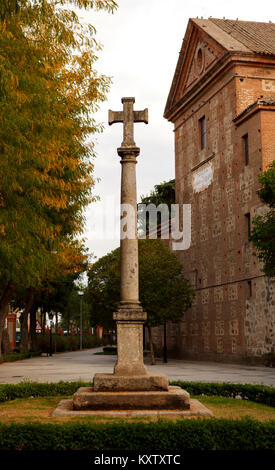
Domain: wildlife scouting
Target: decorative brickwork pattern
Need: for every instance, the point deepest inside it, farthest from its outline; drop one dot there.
(225, 72)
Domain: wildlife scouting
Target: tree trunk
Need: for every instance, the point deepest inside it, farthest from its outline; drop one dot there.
(68, 324)
(6, 346)
(164, 343)
(24, 344)
(4, 309)
(151, 345)
(24, 341)
(43, 320)
(33, 328)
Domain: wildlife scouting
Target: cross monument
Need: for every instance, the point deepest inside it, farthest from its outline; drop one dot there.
(130, 372)
(130, 387)
(130, 316)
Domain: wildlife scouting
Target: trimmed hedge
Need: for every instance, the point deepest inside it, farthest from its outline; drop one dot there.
(110, 349)
(257, 393)
(35, 389)
(197, 434)
(67, 343)
(202, 434)
(20, 356)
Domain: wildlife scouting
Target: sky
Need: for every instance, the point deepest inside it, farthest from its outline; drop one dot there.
(141, 42)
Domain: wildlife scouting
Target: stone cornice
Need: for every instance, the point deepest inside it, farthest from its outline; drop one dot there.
(259, 105)
(212, 155)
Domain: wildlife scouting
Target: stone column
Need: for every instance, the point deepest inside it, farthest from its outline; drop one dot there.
(129, 372)
(130, 316)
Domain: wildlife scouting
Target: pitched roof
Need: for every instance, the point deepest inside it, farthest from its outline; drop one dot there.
(256, 36)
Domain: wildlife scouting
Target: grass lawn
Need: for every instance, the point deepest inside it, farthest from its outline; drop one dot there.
(232, 408)
(26, 410)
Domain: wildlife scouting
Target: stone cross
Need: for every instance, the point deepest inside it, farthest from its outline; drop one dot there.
(130, 315)
(128, 116)
(141, 391)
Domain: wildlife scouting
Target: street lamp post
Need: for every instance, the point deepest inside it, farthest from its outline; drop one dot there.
(80, 293)
(51, 337)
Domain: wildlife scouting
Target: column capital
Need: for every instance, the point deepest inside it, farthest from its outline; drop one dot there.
(130, 152)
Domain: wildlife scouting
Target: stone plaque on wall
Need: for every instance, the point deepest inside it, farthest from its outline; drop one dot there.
(203, 177)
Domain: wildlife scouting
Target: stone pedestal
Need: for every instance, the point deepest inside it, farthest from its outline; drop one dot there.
(130, 383)
(173, 399)
(130, 373)
(129, 320)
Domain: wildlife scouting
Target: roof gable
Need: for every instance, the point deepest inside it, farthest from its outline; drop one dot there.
(198, 53)
(206, 41)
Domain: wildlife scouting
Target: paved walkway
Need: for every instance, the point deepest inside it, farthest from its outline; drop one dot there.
(82, 365)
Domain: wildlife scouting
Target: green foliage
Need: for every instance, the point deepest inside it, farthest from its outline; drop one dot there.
(263, 238)
(263, 231)
(163, 193)
(164, 292)
(66, 343)
(66, 300)
(200, 434)
(45, 172)
(112, 350)
(34, 389)
(19, 357)
(103, 291)
(49, 92)
(257, 393)
(267, 181)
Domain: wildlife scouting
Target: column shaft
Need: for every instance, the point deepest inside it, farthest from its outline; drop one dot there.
(130, 316)
(129, 291)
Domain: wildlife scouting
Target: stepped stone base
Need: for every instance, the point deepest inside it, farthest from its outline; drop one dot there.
(174, 399)
(66, 408)
(122, 383)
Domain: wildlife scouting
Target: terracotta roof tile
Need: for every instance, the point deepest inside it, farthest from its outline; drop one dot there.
(256, 36)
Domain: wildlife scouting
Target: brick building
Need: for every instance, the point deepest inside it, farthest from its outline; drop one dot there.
(222, 103)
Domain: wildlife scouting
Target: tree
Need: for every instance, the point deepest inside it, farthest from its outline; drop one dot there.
(163, 193)
(48, 92)
(165, 294)
(263, 231)
(52, 295)
(69, 306)
(103, 291)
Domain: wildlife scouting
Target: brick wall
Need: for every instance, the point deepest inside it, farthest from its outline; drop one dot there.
(268, 139)
(232, 318)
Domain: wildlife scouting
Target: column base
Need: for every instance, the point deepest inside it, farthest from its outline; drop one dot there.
(122, 383)
(129, 320)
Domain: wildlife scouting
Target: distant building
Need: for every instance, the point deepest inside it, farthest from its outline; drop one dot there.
(222, 105)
